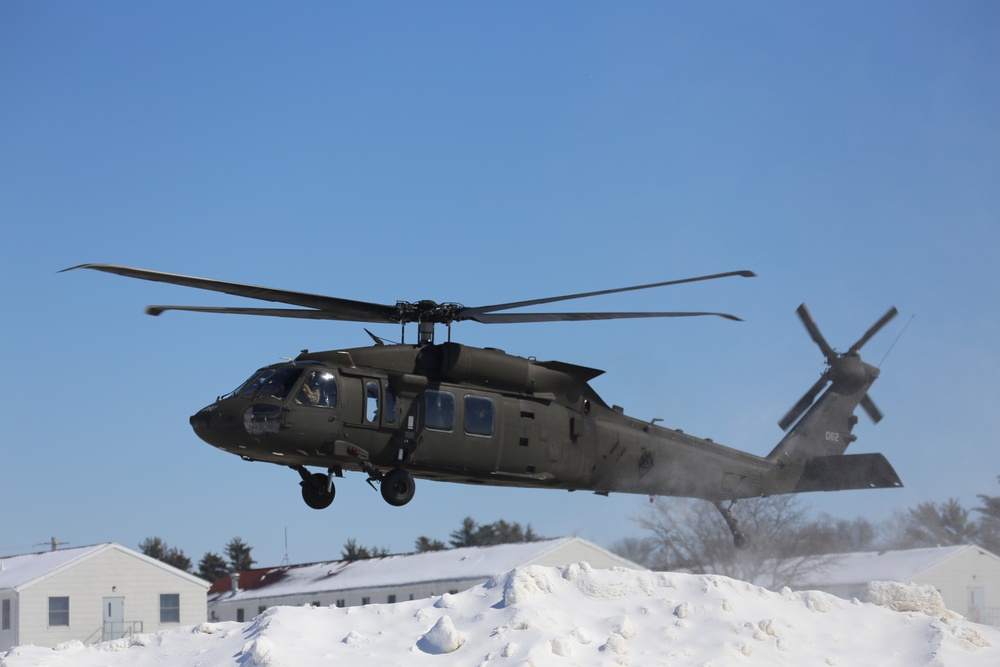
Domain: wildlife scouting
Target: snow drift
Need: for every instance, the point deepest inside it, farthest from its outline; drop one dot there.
(572, 615)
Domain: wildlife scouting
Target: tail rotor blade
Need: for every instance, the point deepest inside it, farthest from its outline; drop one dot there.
(891, 313)
(873, 412)
(814, 333)
(804, 402)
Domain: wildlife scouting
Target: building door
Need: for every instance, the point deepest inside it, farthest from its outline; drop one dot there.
(114, 618)
(977, 604)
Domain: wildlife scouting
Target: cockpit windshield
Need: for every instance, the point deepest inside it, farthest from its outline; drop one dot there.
(275, 382)
(280, 382)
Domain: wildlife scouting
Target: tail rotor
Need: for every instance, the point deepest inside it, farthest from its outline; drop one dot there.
(845, 370)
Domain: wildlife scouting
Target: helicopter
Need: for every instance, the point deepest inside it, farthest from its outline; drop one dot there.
(456, 413)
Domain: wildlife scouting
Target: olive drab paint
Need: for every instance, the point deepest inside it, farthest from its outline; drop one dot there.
(456, 413)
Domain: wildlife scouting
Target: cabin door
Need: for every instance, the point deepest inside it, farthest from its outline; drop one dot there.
(114, 618)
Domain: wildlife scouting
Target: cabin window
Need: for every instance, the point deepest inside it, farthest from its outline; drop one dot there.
(389, 416)
(6, 615)
(371, 401)
(319, 389)
(478, 415)
(59, 611)
(170, 608)
(439, 410)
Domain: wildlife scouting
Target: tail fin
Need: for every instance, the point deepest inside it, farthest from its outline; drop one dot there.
(811, 456)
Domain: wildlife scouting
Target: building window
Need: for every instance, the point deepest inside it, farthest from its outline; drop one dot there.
(365, 600)
(340, 603)
(261, 609)
(392, 599)
(239, 615)
(170, 608)
(59, 611)
(6, 615)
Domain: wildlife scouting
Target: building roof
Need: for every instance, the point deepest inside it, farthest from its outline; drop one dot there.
(18, 572)
(903, 565)
(468, 563)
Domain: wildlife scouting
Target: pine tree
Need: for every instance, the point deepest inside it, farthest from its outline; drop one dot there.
(212, 567)
(238, 553)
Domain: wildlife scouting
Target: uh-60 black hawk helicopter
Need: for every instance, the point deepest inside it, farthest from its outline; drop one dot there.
(450, 412)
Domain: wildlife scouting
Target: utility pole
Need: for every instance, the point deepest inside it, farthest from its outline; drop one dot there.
(52, 543)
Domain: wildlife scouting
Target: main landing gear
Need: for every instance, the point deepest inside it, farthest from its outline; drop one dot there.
(397, 486)
(740, 539)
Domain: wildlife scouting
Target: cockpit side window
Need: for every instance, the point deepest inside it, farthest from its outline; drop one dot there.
(319, 389)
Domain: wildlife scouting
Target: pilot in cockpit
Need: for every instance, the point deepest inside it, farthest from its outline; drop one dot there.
(310, 392)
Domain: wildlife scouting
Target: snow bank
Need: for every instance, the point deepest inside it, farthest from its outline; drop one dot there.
(570, 616)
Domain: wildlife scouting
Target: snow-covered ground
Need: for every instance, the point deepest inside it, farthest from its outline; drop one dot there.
(572, 615)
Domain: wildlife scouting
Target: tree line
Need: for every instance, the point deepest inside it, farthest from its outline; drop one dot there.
(213, 566)
(689, 535)
(469, 534)
(786, 542)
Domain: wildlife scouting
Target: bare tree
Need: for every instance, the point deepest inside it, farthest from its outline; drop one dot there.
(690, 535)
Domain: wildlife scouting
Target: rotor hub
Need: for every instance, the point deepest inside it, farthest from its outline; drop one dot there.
(848, 373)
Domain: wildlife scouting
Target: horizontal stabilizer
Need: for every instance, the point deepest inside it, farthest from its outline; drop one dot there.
(846, 472)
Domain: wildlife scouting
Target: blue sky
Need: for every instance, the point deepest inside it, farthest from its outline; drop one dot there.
(488, 152)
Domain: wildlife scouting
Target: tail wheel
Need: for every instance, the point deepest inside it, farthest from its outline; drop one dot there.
(315, 493)
(397, 487)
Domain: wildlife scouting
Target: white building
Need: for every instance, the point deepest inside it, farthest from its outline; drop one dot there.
(93, 594)
(390, 579)
(967, 577)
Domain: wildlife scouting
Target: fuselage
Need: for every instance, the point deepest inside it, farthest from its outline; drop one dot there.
(462, 414)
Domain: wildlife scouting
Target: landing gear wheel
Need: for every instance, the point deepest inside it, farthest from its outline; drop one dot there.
(314, 491)
(397, 487)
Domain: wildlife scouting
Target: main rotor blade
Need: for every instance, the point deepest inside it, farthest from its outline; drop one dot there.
(471, 313)
(891, 313)
(814, 333)
(346, 309)
(518, 318)
(804, 402)
(869, 406)
(304, 314)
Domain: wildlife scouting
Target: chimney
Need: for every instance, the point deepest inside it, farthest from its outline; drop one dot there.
(234, 577)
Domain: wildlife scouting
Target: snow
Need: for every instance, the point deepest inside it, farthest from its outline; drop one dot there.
(572, 615)
(865, 566)
(470, 563)
(16, 571)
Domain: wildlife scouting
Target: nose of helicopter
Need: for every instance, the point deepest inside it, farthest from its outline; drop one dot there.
(212, 425)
